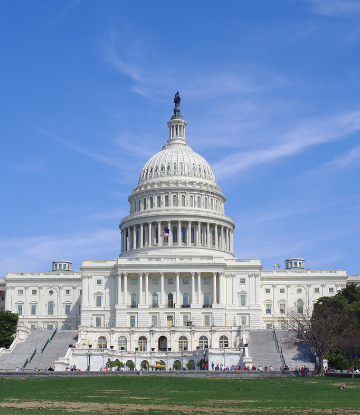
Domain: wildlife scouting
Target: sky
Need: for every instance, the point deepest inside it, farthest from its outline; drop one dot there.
(270, 90)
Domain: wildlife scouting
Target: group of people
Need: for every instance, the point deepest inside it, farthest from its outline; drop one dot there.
(238, 367)
(71, 368)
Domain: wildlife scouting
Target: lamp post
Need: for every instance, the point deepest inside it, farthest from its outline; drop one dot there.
(88, 356)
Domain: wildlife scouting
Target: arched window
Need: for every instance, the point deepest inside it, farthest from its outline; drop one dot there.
(134, 206)
(199, 202)
(175, 200)
(162, 168)
(139, 206)
(300, 306)
(142, 344)
(174, 233)
(158, 201)
(170, 300)
(223, 342)
(186, 299)
(183, 343)
(191, 201)
(211, 204)
(183, 200)
(206, 203)
(102, 342)
(151, 203)
(183, 235)
(168, 168)
(50, 308)
(174, 166)
(122, 343)
(203, 343)
(133, 300)
(145, 204)
(155, 300)
(166, 201)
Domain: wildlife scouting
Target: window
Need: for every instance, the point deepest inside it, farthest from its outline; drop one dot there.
(192, 235)
(33, 309)
(183, 200)
(183, 235)
(206, 281)
(267, 290)
(132, 321)
(186, 299)
(122, 343)
(67, 292)
(207, 300)
(50, 327)
(51, 292)
(170, 301)
(151, 202)
(133, 300)
(317, 290)
(185, 319)
(98, 301)
(185, 281)
(183, 343)
(282, 290)
(102, 343)
(174, 234)
(133, 282)
(268, 308)
(207, 320)
(80, 292)
(203, 342)
(20, 292)
(243, 320)
(269, 326)
(158, 201)
(191, 201)
(155, 281)
(300, 306)
(299, 290)
(98, 322)
(282, 308)
(142, 344)
(155, 302)
(67, 309)
(19, 309)
(174, 200)
(33, 292)
(33, 327)
(242, 280)
(145, 204)
(331, 290)
(154, 321)
(98, 282)
(79, 309)
(166, 201)
(170, 281)
(242, 299)
(223, 342)
(50, 308)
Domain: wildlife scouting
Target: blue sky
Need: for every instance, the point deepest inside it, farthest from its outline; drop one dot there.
(270, 90)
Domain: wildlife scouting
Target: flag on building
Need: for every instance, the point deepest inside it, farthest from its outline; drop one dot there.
(165, 233)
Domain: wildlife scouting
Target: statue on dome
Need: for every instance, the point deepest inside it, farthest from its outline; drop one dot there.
(177, 99)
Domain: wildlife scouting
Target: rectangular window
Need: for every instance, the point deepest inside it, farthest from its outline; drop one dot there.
(50, 327)
(317, 290)
(98, 301)
(268, 308)
(98, 282)
(283, 326)
(185, 319)
(170, 281)
(98, 322)
(155, 282)
(267, 290)
(331, 290)
(33, 310)
(33, 292)
(20, 292)
(269, 326)
(79, 309)
(133, 282)
(67, 292)
(282, 290)
(243, 320)
(19, 307)
(206, 281)
(242, 299)
(185, 281)
(67, 309)
(207, 320)
(242, 280)
(154, 321)
(282, 308)
(33, 327)
(80, 292)
(132, 321)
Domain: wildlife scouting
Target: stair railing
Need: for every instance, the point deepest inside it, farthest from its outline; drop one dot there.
(32, 356)
(52, 336)
(279, 348)
(49, 340)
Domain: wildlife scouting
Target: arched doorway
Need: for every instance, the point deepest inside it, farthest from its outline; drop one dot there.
(162, 344)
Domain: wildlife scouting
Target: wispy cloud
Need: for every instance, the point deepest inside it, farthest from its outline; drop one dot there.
(336, 7)
(346, 160)
(35, 164)
(62, 14)
(307, 134)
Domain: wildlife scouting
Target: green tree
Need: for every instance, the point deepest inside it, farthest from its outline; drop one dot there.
(8, 324)
(177, 366)
(190, 365)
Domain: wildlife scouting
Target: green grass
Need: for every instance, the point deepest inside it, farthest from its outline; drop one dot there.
(161, 395)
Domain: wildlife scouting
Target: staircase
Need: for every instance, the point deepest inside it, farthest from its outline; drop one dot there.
(262, 349)
(296, 355)
(55, 349)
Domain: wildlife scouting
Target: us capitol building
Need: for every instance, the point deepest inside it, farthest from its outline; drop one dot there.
(176, 293)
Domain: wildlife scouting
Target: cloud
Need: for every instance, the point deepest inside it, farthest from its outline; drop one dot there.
(61, 15)
(346, 159)
(336, 7)
(307, 134)
(35, 164)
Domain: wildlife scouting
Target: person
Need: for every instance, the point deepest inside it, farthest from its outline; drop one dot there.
(342, 386)
(271, 368)
(17, 369)
(212, 365)
(260, 368)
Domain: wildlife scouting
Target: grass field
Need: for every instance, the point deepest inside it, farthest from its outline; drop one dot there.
(163, 395)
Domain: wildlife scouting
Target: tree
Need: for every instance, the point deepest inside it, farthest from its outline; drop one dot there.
(177, 365)
(8, 324)
(190, 365)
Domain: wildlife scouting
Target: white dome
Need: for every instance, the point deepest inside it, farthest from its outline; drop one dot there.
(178, 161)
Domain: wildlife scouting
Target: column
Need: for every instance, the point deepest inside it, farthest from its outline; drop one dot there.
(140, 287)
(125, 288)
(199, 287)
(162, 289)
(221, 288)
(222, 238)
(209, 242)
(197, 233)
(122, 242)
(118, 284)
(147, 288)
(178, 288)
(141, 235)
(227, 238)
(214, 288)
(179, 233)
(134, 237)
(159, 237)
(216, 237)
(193, 299)
(149, 236)
(189, 234)
(231, 240)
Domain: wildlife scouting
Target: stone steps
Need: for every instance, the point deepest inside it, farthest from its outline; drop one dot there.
(262, 349)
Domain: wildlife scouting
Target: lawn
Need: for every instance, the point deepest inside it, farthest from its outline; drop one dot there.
(162, 395)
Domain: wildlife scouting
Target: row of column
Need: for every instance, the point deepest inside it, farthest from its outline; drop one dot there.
(196, 233)
(122, 290)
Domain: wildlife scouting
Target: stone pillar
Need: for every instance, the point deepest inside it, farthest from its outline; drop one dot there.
(150, 234)
(221, 288)
(214, 288)
(198, 234)
(140, 287)
(118, 285)
(193, 299)
(162, 289)
(134, 237)
(199, 287)
(222, 238)
(147, 288)
(125, 288)
(177, 289)
(141, 235)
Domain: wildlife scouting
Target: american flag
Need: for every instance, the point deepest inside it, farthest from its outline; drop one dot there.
(165, 233)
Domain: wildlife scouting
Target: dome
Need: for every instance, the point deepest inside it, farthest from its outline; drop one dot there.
(177, 161)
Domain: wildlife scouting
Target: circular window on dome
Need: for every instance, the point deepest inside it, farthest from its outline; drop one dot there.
(299, 290)
(51, 292)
